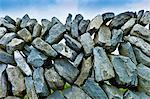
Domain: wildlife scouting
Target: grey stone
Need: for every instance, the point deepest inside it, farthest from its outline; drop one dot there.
(87, 43)
(44, 47)
(24, 21)
(126, 71)
(131, 95)
(94, 90)
(16, 79)
(78, 59)
(12, 97)
(72, 43)
(37, 30)
(55, 33)
(18, 22)
(145, 19)
(56, 95)
(85, 70)
(143, 95)
(102, 66)
(30, 24)
(9, 19)
(139, 15)
(3, 30)
(74, 29)
(68, 22)
(55, 21)
(39, 82)
(21, 63)
(83, 26)
(78, 18)
(108, 16)
(53, 79)
(65, 51)
(66, 70)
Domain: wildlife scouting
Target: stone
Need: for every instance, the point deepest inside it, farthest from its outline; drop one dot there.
(53, 79)
(103, 68)
(21, 63)
(66, 70)
(141, 57)
(16, 79)
(56, 95)
(87, 43)
(44, 47)
(108, 16)
(14, 44)
(126, 49)
(125, 69)
(139, 15)
(12, 97)
(75, 93)
(130, 95)
(30, 89)
(72, 43)
(37, 30)
(74, 29)
(55, 21)
(78, 18)
(24, 21)
(25, 35)
(83, 26)
(68, 22)
(39, 82)
(18, 22)
(65, 51)
(78, 59)
(92, 89)
(85, 70)
(143, 95)
(55, 33)
(140, 31)
(145, 19)
(30, 24)
(9, 19)
(3, 30)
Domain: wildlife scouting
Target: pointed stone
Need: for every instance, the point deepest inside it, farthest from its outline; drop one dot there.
(56, 95)
(30, 24)
(55, 21)
(68, 22)
(74, 29)
(9, 19)
(83, 26)
(37, 30)
(139, 15)
(78, 59)
(24, 21)
(3, 30)
(145, 19)
(108, 16)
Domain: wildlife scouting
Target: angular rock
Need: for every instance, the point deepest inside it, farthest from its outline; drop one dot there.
(55, 21)
(139, 15)
(44, 47)
(83, 26)
(143, 95)
(66, 70)
(24, 21)
(78, 59)
(78, 18)
(87, 43)
(65, 51)
(21, 63)
(37, 30)
(74, 29)
(30, 24)
(12, 97)
(130, 95)
(3, 30)
(68, 22)
(145, 19)
(102, 66)
(18, 22)
(53, 79)
(108, 16)
(56, 95)
(39, 82)
(9, 19)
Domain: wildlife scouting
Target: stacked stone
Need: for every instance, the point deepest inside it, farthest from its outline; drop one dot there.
(76, 60)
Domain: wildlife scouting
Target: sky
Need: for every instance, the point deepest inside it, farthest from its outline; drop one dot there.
(60, 8)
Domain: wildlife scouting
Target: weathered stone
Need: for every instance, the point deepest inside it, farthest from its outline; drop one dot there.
(68, 22)
(126, 49)
(85, 70)
(145, 19)
(78, 59)
(53, 79)
(37, 30)
(139, 15)
(55, 21)
(12, 97)
(55, 33)
(72, 43)
(30, 89)
(94, 90)
(65, 51)
(18, 22)
(16, 79)
(56, 95)
(74, 29)
(39, 82)
(3, 30)
(78, 18)
(143, 95)
(75, 93)
(87, 43)
(21, 63)
(44, 47)
(108, 16)
(126, 71)
(24, 21)
(83, 26)
(30, 24)
(130, 95)
(102, 66)
(66, 70)
(25, 35)
(9, 19)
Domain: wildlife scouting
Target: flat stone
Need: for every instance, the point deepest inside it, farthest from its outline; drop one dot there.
(3, 30)
(130, 95)
(78, 59)
(55, 33)
(126, 71)
(108, 16)
(72, 43)
(65, 51)
(25, 35)
(16, 79)
(30, 89)
(87, 43)
(66, 70)
(102, 66)
(92, 89)
(24, 21)
(68, 22)
(126, 49)
(85, 70)
(39, 82)
(139, 15)
(56, 95)
(37, 30)
(145, 19)
(21, 63)
(44, 47)
(75, 93)
(83, 26)
(9, 19)
(53, 79)
(12, 97)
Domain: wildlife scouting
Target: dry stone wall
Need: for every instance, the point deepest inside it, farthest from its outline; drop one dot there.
(76, 60)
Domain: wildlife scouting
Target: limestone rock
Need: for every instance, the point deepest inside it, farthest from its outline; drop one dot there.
(78, 59)
(2, 31)
(139, 15)
(74, 29)
(145, 19)
(9, 19)
(68, 22)
(108, 16)
(24, 20)
(46, 25)
(37, 30)
(83, 26)
(56, 95)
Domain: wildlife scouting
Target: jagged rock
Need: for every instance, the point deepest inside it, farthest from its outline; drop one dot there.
(65, 51)
(56, 95)
(72, 43)
(78, 59)
(25, 35)
(39, 82)
(126, 71)
(3, 30)
(108, 16)
(16, 79)
(55, 33)
(87, 43)
(78, 18)
(21, 63)
(30, 89)
(12, 97)
(94, 90)
(18, 22)
(83, 26)
(44, 47)
(66, 70)
(85, 70)
(68, 22)
(9, 19)
(126, 49)
(24, 21)
(37, 30)
(30, 24)
(102, 66)
(53, 79)
(74, 29)
(75, 93)
(145, 19)
(55, 21)
(139, 15)
(130, 95)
